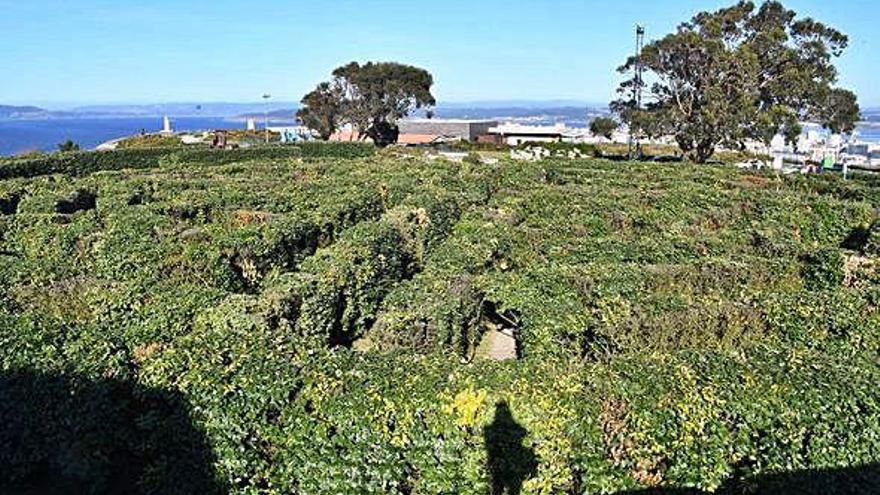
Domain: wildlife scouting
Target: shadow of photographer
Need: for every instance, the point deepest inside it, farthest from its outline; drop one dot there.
(74, 434)
(510, 462)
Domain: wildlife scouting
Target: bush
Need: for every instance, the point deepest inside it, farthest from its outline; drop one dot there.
(823, 269)
(335, 149)
(239, 368)
(83, 163)
(432, 426)
(671, 334)
(344, 286)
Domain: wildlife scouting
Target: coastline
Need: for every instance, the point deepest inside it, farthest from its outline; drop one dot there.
(19, 135)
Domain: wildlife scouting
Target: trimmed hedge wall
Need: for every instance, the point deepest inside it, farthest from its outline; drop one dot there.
(281, 416)
(83, 163)
(679, 328)
(704, 421)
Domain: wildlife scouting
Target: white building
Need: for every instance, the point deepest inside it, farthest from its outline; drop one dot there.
(516, 134)
(416, 131)
(166, 127)
(292, 134)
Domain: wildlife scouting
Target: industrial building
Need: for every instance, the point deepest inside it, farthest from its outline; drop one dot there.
(425, 131)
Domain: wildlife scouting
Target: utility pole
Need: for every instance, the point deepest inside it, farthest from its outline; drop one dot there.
(635, 149)
(266, 99)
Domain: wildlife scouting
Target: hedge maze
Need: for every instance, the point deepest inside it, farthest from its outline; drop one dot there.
(315, 320)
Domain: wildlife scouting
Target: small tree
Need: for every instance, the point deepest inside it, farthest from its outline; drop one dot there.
(68, 146)
(735, 74)
(603, 126)
(322, 109)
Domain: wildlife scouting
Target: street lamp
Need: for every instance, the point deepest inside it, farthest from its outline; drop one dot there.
(266, 98)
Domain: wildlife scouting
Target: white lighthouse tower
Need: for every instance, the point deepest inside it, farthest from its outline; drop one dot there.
(166, 127)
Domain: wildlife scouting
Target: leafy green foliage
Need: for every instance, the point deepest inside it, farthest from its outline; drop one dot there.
(739, 73)
(603, 126)
(298, 323)
(148, 141)
(68, 146)
(371, 97)
(83, 163)
(824, 269)
(322, 109)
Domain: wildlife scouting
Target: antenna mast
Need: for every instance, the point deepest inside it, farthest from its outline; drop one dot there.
(635, 150)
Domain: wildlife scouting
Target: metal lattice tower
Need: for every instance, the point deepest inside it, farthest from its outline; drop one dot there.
(634, 146)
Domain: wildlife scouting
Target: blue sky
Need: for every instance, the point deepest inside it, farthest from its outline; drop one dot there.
(89, 51)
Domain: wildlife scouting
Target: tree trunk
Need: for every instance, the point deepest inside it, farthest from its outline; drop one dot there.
(704, 151)
(697, 152)
(383, 134)
(686, 145)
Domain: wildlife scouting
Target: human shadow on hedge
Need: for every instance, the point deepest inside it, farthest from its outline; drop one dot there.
(73, 434)
(844, 481)
(510, 462)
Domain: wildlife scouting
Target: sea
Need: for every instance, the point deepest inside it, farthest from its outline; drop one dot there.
(22, 136)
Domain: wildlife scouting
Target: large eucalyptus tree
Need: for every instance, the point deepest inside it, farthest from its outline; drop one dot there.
(738, 73)
(373, 97)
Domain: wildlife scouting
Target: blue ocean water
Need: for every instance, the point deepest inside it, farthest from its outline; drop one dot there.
(19, 136)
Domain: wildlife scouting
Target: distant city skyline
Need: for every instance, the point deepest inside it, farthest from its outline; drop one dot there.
(61, 53)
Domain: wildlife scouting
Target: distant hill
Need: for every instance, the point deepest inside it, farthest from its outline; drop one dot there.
(529, 104)
(280, 114)
(549, 113)
(181, 109)
(871, 114)
(533, 111)
(14, 112)
(281, 110)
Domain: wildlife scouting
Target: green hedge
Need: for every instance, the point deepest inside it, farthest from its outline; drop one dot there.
(342, 287)
(679, 327)
(279, 422)
(334, 149)
(83, 163)
(286, 422)
(440, 308)
(649, 258)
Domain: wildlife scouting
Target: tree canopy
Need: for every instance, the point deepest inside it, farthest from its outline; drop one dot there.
(68, 146)
(322, 109)
(603, 126)
(372, 97)
(738, 73)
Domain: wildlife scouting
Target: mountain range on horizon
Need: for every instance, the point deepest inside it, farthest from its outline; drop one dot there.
(235, 109)
(13, 111)
(545, 110)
